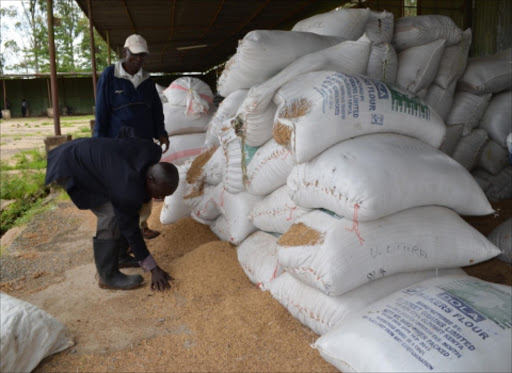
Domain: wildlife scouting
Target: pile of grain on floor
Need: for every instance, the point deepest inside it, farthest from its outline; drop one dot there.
(213, 319)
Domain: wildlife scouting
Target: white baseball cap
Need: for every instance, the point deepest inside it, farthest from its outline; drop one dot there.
(136, 44)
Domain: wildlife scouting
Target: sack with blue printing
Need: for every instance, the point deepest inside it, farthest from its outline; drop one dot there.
(322, 312)
(319, 109)
(444, 324)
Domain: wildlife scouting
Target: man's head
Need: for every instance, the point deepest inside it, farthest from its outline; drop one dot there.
(135, 51)
(162, 180)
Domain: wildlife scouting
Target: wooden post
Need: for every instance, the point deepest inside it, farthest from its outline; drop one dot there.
(5, 94)
(53, 69)
(109, 60)
(93, 52)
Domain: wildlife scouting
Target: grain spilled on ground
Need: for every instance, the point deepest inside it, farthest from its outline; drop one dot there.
(213, 320)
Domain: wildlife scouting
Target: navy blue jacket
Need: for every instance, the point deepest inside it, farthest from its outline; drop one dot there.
(119, 104)
(100, 170)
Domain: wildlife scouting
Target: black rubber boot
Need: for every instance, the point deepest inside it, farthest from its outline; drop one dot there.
(126, 260)
(106, 253)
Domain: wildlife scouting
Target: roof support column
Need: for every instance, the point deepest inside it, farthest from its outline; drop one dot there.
(93, 51)
(109, 60)
(5, 94)
(53, 69)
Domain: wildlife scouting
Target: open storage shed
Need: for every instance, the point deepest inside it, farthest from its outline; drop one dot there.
(346, 206)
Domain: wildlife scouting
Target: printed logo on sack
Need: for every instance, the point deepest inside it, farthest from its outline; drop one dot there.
(378, 119)
(413, 291)
(381, 90)
(461, 306)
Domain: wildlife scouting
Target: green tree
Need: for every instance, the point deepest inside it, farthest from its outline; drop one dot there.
(67, 33)
(71, 36)
(100, 50)
(33, 25)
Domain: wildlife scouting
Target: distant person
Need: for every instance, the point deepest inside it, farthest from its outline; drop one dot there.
(24, 108)
(126, 96)
(113, 178)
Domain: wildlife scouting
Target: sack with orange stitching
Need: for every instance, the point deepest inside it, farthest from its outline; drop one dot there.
(321, 312)
(268, 168)
(233, 224)
(372, 176)
(336, 255)
(276, 212)
(257, 255)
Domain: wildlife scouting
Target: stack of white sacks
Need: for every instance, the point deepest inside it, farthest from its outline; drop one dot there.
(323, 167)
(188, 108)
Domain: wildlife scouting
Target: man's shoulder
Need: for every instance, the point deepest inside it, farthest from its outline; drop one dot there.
(109, 70)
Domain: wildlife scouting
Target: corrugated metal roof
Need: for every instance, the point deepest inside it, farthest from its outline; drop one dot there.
(218, 24)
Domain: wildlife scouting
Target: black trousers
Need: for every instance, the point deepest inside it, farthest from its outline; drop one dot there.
(106, 226)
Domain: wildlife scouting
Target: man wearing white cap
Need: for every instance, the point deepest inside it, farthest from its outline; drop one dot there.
(127, 97)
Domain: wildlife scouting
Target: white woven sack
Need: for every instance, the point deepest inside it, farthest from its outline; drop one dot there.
(336, 255)
(220, 228)
(28, 335)
(453, 61)
(257, 255)
(417, 66)
(255, 125)
(380, 27)
(204, 204)
(444, 324)
(453, 135)
(234, 156)
(496, 187)
(347, 23)
(383, 63)
(263, 53)
(178, 123)
(419, 30)
(319, 109)
(268, 168)
(347, 179)
(206, 167)
(440, 99)
(467, 109)
(488, 74)
(194, 96)
(223, 116)
(493, 158)
(469, 148)
(276, 212)
(174, 207)
(214, 169)
(497, 119)
(501, 236)
(183, 148)
(321, 312)
(257, 111)
(235, 208)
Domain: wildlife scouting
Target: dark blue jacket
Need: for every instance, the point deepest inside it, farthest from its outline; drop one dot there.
(119, 104)
(107, 170)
